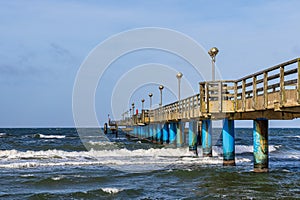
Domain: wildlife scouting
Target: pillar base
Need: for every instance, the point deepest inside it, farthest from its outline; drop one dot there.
(228, 162)
(260, 168)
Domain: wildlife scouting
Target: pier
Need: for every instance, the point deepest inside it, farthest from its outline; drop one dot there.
(271, 94)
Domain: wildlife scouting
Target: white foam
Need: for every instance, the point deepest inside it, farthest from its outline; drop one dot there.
(296, 136)
(111, 190)
(2, 134)
(136, 160)
(51, 136)
(57, 178)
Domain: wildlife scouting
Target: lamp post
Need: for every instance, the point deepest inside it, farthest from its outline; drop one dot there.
(213, 53)
(161, 87)
(179, 76)
(132, 108)
(143, 100)
(150, 95)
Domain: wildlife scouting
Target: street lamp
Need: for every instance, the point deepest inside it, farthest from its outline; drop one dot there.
(213, 53)
(161, 87)
(179, 76)
(132, 108)
(150, 95)
(143, 100)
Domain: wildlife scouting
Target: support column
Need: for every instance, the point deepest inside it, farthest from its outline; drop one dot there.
(206, 138)
(154, 135)
(158, 133)
(150, 135)
(228, 143)
(166, 133)
(135, 131)
(193, 136)
(260, 145)
(172, 133)
(179, 134)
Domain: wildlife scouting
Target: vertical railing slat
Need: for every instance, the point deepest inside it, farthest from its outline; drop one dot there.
(254, 93)
(282, 88)
(265, 90)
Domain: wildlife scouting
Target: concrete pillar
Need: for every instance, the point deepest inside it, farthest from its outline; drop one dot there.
(206, 138)
(173, 131)
(166, 133)
(179, 134)
(150, 135)
(260, 145)
(154, 135)
(228, 143)
(158, 133)
(135, 131)
(193, 135)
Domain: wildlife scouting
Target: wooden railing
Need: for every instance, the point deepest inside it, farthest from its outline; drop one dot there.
(273, 88)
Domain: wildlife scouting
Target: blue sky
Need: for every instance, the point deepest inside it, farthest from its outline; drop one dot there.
(43, 44)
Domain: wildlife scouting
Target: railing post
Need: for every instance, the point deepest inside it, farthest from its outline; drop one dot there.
(207, 97)
(282, 89)
(201, 92)
(254, 93)
(243, 95)
(298, 81)
(266, 90)
(235, 96)
(220, 96)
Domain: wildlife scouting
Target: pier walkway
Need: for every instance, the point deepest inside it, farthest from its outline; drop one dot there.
(271, 94)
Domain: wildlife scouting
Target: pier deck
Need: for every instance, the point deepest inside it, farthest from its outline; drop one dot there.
(271, 94)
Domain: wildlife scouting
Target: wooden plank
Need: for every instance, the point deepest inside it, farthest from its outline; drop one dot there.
(243, 95)
(265, 90)
(270, 69)
(220, 96)
(207, 98)
(298, 86)
(235, 96)
(254, 93)
(282, 89)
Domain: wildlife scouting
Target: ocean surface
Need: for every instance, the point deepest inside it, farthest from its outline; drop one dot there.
(54, 163)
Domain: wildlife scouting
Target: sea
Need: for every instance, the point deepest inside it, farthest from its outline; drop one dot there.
(59, 163)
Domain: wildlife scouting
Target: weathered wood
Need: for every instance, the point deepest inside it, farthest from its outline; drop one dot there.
(254, 93)
(298, 85)
(282, 88)
(265, 90)
(273, 94)
(243, 95)
(235, 96)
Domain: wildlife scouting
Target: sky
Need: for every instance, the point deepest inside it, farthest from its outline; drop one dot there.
(44, 43)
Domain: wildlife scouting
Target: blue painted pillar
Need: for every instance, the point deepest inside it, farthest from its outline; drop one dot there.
(166, 133)
(206, 138)
(260, 145)
(150, 136)
(228, 143)
(193, 136)
(179, 134)
(135, 131)
(173, 131)
(158, 133)
(154, 129)
(142, 131)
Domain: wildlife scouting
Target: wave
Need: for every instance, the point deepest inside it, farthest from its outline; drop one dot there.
(111, 190)
(240, 149)
(140, 159)
(3, 134)
(295, 136)
(49, 136)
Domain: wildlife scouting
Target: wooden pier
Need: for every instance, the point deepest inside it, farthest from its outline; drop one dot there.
(271, 94)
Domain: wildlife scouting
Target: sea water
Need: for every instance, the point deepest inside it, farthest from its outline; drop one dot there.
(56, 163)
